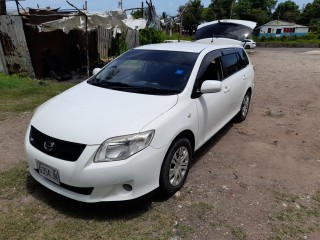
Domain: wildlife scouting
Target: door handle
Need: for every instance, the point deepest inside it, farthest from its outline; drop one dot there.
(226, 89)
(244, 77)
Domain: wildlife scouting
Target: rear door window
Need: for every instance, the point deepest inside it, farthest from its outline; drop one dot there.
(233, 61)
(229, 64)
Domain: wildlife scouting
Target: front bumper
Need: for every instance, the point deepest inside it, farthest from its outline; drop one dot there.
(106, 179)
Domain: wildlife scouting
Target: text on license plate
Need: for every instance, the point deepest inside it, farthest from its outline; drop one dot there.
(49, 173)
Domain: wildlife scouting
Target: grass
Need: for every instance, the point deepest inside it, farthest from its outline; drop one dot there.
(295, 220)
(22, 94)
(30, 211)
(275, 114)
(12, 182)
(47, 215)
(238, 233)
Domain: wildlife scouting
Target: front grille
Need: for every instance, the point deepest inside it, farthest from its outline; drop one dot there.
(61, 149)
(79, 190)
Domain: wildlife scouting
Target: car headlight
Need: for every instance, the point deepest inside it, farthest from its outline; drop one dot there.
(120, 148)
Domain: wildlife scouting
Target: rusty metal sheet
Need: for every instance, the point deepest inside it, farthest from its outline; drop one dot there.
(3, 62)
(14, 45)
(104, 39)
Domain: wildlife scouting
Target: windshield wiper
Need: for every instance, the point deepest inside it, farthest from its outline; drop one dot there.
(111, 85)
(129, 88)
(157, 91)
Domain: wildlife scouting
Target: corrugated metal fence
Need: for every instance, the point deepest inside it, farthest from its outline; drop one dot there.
(15, 57)
(104, 42)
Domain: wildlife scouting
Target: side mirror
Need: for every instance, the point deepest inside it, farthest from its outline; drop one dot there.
(96, 70)
(211, 86)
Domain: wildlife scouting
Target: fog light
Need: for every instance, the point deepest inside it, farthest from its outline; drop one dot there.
(127, 187)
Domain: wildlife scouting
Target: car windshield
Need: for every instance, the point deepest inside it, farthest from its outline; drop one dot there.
(147, 72)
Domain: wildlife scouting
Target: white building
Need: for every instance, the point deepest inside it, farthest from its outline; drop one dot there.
(278, 28)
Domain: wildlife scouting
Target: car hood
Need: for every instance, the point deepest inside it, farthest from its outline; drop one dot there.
(227, 29)
(88, 114)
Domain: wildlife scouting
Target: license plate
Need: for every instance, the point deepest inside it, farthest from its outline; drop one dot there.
(49, 173)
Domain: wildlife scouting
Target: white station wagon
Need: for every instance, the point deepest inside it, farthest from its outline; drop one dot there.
(134, 126)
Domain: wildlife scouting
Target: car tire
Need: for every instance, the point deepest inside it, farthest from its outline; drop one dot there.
(247, 47)
(175, 167)
(244, 109)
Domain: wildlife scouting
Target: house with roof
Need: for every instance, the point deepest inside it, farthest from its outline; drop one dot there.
(278, 28)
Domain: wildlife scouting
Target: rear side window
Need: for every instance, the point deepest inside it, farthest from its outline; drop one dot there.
(233, 61)
(243, 58)
(229, 64)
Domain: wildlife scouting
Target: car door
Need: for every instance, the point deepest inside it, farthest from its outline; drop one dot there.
(211, 110)
(235, 77)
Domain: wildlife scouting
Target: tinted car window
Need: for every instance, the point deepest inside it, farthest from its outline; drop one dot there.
(243, 58)
(229, 64)
(147, 72)
(212, 71)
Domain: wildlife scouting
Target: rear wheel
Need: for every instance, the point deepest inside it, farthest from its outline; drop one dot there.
(175, 167)
(242, 114)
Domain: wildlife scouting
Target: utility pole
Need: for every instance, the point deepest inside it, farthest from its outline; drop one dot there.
(231, 9)
(142, 10)
(120, 4)
(181, 18)
(81, 13)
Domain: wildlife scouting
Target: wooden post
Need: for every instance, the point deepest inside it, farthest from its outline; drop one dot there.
(3, 8)
(86, 37)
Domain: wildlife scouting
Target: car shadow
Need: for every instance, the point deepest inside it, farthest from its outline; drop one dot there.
(124, 210)
(211, 142)
(111, 210)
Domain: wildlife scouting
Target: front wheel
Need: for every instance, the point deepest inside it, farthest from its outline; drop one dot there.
(242, 114)
(175, 167)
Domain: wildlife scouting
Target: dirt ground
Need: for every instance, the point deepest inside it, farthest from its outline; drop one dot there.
(248, 172)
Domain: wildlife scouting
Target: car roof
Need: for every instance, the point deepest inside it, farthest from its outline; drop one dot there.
(192, 47)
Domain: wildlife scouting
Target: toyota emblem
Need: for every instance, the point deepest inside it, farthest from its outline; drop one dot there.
(48, 146)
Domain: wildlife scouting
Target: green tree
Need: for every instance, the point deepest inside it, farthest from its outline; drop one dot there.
(164, 15)
(222, 9)
(191, 14)
(287, 11)
(255, 10)
(208, 14)
(137, 13)
(265, 5)
(244, 9)
(260, 16)
(311, 14)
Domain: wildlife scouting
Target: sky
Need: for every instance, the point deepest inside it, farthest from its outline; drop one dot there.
(169, 6)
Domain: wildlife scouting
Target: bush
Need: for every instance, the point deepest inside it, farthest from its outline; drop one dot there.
(118, 45)
(283, 38)
(150, 35)
(262, 39)
(309, 38)
(176, 36)
(271, 39)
